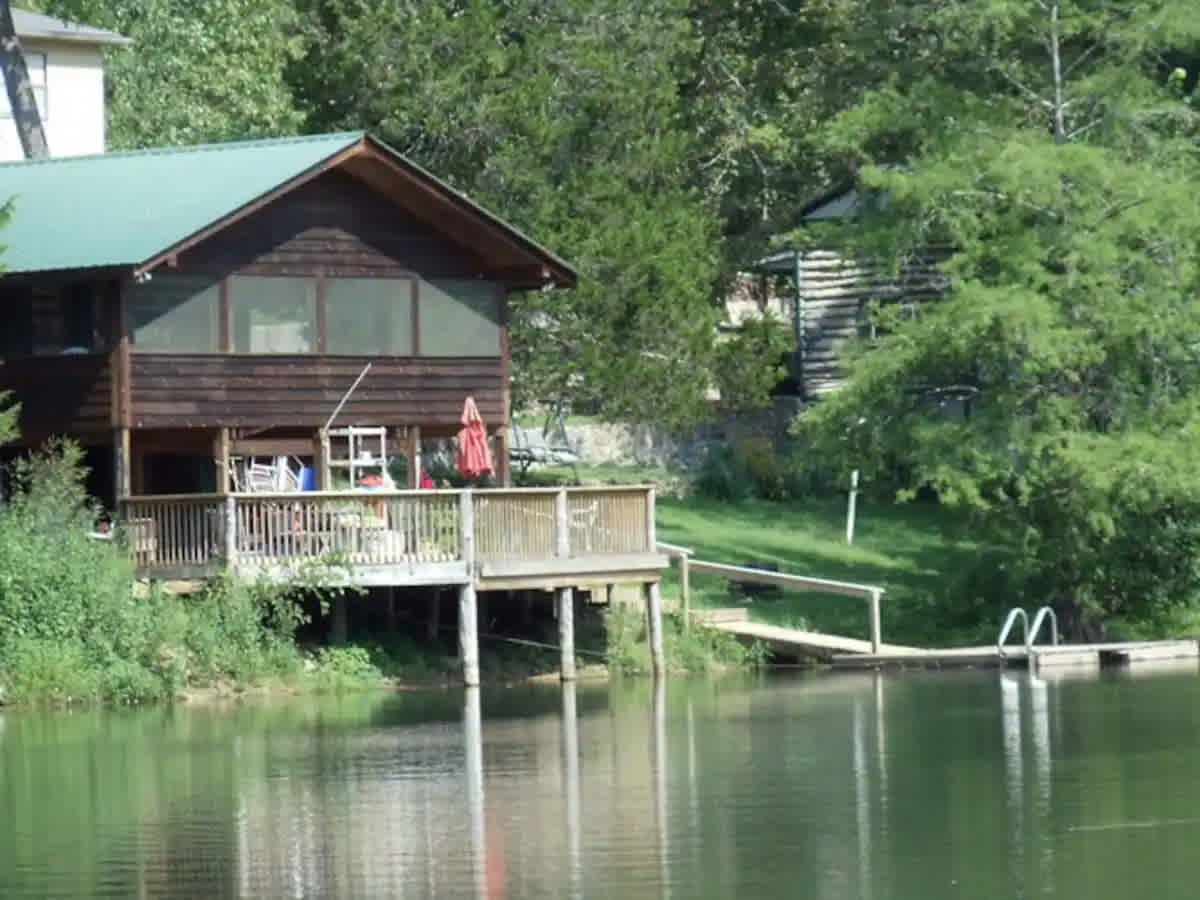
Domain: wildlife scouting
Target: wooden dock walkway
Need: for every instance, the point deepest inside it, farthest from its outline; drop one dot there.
(847, 652)
(853, 653)
(796, 641)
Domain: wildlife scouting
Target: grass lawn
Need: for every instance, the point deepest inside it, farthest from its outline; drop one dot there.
(943, 582)
(594, 474)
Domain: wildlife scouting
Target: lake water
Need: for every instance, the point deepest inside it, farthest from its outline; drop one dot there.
(910, 786)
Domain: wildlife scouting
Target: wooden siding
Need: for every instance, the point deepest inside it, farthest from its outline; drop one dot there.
(335, 225)
(61, 394)
(172, 391)
(835, 293)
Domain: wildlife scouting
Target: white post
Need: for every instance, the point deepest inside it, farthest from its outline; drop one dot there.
(230, 532)
(468, 614)
(685, 591)
(850, 507)
(876, 637)
(562, 530)
(654, 627)
(566, 632)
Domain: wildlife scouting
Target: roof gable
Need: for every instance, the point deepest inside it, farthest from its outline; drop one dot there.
(36, 25)
(136, 210)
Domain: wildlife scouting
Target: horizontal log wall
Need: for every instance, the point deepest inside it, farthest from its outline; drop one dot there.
(835, 293)
(335, 225)
(171, 391)
(61, 394)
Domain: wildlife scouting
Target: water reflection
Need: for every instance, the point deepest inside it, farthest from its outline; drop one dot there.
(868, 786)
(658, 765)
(571, 789)
(473, 756)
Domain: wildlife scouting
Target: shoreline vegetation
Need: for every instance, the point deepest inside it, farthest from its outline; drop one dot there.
(77, 628)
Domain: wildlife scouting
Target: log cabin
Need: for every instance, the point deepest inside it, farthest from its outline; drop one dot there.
(825, 295)
(172, 310)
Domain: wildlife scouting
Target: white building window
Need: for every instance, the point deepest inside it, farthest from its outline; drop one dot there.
(36, 63)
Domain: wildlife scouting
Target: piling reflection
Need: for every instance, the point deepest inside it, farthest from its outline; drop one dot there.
(473, 765)
(571, 789)
(659, 768)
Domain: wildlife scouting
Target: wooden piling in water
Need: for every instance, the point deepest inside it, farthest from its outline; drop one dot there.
(468, 614)
(566, 632)
(654, 627)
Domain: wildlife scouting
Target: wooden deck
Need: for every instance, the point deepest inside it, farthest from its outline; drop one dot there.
(494, 539)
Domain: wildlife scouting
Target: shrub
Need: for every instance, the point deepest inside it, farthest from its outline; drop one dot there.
(686, 650)
(720, 477)
(342, 669)
(73, 627)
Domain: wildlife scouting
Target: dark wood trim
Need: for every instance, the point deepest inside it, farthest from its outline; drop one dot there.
(123, 372)
(441, 195)
(332, 162)
(412, 448)
(114, 353)
(320, 311)
(416, 316)
(121, 463)
(221, 454)
(223, 316)
(277, 446)
(503, 473)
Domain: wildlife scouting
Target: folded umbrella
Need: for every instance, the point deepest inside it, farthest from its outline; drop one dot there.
(474, 454)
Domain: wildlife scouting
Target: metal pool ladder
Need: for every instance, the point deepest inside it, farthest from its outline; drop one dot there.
(1029, 632)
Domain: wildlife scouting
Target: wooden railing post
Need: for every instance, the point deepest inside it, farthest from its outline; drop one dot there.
(468, 613)
(230, 532)
(562, 527)
(651, 538)
(876, 636)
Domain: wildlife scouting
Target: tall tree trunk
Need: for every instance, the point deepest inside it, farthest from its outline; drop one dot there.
(20, 91)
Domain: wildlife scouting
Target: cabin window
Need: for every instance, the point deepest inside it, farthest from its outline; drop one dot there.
(36, 64)
(459, 317)
(369, 316)
(272, 315)
(81, 313)
(16, 323)
(175, 314)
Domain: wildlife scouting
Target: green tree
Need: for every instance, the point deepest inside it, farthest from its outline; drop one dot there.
(196, 72)
(564, 117)
(1052, 144)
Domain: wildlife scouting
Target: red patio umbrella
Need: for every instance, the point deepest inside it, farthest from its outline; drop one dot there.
(474, 454)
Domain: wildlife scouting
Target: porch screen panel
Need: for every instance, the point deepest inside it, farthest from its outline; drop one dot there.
(368, 316)
(175, 314)
(459, 317)
(272, 315)
(16, 322)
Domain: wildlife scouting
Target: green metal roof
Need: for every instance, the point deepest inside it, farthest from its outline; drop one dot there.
(121, 209)
(128, 210)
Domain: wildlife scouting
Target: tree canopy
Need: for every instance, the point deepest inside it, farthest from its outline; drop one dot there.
(1052, 146)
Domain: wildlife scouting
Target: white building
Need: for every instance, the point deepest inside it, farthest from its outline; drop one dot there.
(66, 68)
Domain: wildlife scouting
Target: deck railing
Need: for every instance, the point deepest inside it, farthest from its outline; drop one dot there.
(386, 528)
(175, 531)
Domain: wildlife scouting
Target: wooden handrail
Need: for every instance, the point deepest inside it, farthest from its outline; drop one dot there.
(415, 492)
(871, 593)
